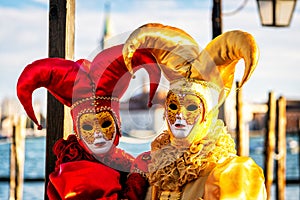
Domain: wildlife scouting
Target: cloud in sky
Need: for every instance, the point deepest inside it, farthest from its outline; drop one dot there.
(24, 37)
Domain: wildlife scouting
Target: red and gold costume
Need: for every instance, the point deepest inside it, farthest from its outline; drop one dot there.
(89, 164)
(196, 157)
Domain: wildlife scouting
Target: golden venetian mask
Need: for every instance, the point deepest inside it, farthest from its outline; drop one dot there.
(90, 123)
(189, 105)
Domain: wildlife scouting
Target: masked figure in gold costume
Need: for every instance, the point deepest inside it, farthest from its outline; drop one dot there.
(195, 158)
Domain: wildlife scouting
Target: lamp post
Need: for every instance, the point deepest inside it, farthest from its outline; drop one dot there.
(276, 13)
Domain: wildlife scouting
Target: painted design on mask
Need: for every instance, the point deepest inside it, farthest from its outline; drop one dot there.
(192, 108)
(107, 123)
(172, 106)
(90, 123)
(183, 112)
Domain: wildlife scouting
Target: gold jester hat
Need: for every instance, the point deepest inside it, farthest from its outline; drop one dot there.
(208, 73)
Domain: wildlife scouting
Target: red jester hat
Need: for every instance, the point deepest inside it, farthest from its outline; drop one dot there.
(86, 87)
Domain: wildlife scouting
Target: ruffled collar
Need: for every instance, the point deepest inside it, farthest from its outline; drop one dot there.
(172, 167)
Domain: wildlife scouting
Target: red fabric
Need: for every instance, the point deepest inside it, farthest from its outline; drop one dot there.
(57, 75)
(136, 187)
(72, 83)
(117, 159)
(85, 180)
(141, 162)
(111, 76)
(70, 150)
(51, 192)
(75, 166)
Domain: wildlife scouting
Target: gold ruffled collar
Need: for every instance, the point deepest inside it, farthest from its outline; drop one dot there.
(172, 167)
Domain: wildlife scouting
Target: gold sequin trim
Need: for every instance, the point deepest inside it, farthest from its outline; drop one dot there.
(95, 102)
(201, 82)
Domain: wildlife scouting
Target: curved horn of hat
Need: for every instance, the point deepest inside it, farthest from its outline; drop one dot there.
(110, 78)
(172, 48)
(110, 74)
(148, 62)
(226, 50)
(55, 74)
(179, 56)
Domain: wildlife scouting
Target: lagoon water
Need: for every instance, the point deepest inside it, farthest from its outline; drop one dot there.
(35, 164)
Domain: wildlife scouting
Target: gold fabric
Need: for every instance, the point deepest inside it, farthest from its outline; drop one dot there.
(225, 51)
(194, 190)
(180, 165)
(173, 48)
(179, 56)
(173, 167)
(209, 169)
(236, 178)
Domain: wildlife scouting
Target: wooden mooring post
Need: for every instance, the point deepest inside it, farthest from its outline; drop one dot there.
(270, 144)
(281, 149)
(275, 146)
(58, 26)
(242, 135)
(17, 159)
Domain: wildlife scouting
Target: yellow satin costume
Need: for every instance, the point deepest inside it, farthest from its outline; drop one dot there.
(203, 164)
(211, 171)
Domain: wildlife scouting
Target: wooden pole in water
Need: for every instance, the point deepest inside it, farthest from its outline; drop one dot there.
(17, 159)
(270, 144)
(57, 48)
(241, 136)
(13, 154)
(281, 149)
(70, 40)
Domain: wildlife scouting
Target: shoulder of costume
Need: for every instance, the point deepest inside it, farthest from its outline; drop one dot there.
(140, 164)
(239, 174)
(240, 167)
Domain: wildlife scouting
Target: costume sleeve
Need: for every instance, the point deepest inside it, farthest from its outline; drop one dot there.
(84, 180)
(137, 184)
(236, 178)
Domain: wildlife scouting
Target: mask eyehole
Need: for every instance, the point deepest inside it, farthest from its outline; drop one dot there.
(192, 107)
(87, 127)
(106, 124)
(173, 106)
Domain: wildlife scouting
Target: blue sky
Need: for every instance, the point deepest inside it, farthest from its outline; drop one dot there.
(24, 37)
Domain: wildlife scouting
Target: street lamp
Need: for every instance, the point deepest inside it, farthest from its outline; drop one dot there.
(276, 13)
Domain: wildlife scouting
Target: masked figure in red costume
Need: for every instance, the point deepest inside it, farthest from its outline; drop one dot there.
(195, 158)
(89, 165)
